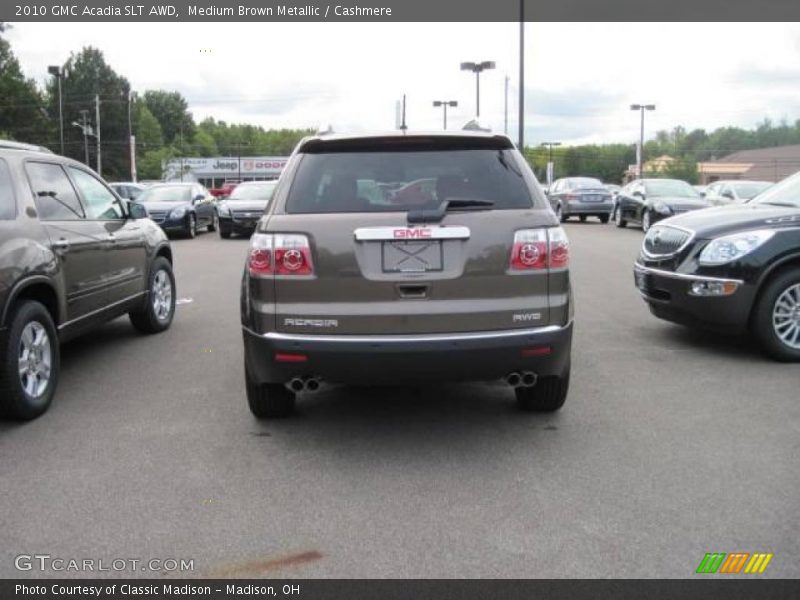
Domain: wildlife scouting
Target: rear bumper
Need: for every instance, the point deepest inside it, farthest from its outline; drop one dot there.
(668, 295)
(587, 208)
(408, 358)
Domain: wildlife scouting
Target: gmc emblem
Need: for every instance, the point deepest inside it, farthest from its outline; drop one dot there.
(412, 234)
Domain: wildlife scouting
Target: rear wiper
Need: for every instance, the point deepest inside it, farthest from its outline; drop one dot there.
(434, 215)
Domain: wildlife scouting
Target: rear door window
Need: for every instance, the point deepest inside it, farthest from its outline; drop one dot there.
(383, 181)
(8, 208)
(53, 193)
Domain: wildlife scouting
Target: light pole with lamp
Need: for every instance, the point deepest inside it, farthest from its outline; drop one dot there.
(445, 104)
(641, 108)
(477, 68)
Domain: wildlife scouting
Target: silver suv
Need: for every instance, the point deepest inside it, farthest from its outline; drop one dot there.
(406, 258)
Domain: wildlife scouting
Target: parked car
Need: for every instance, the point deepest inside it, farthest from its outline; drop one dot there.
(150, 182)
(225, 189)
(240, 212)
(127, 189)
(727, 192)
(647, 201)
(472, 285)
(700, 189)
(180, 207)
(72, 255)
(733, 268)
(580, 197)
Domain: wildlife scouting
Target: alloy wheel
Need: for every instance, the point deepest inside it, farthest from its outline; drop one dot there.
(786, 316)
(35, 359)
(162, 295)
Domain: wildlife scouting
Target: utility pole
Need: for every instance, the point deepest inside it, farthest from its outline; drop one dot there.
(58, 73)
(97, 120)
(521, 142)
(131, 140)
(641, 108)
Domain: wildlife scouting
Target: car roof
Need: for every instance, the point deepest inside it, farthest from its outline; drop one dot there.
(11, 145)
(376, 137)
(730, 181)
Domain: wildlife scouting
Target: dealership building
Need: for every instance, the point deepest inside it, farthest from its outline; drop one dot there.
(213, 172)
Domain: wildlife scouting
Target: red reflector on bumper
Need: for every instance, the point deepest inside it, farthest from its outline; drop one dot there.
(292, 358)
(536, 351)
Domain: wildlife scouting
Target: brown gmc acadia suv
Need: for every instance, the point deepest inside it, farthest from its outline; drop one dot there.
(406, 258)
(72, 255)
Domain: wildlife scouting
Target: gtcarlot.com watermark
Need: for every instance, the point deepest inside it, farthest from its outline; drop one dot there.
(56, 564)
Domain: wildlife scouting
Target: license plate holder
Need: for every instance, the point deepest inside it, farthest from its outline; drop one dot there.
(412, 256)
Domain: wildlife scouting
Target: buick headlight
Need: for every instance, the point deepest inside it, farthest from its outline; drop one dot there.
(662, 208)
(178, 213)
(223, 209)
(732, 247)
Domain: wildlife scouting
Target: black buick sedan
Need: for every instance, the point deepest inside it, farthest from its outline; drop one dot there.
(647, 201)
(733, 268)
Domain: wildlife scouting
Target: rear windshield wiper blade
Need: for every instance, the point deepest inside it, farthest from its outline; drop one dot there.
(434, 215)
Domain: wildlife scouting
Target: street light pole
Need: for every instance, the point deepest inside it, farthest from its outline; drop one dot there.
(56, 71)
(477, 68)
(521, 141)
(641, 108)
(550, 149)
(444, 104)
(550, 166)
(85, 128)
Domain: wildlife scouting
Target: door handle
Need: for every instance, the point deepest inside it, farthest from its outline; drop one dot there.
(61, 245)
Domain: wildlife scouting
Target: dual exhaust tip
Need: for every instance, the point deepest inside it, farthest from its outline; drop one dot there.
(304, 384)
(521, 379)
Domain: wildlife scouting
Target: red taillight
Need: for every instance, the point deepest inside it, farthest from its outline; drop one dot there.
(536, 351)
(539, 249)
(280, 254)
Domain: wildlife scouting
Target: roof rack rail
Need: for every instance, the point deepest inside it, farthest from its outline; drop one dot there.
(8, 144)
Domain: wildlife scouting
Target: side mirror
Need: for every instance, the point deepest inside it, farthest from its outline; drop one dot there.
(137, 211)
(198, 198)
(727, 194)
(639, 194)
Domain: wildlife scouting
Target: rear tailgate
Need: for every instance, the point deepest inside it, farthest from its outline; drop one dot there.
(376, 274)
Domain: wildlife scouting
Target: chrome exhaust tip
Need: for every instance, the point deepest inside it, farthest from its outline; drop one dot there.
(529, 378)
(514, 379)
(312, 384)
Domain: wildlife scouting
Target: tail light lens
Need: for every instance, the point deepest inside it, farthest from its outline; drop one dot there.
(279, 254)
(259, 261)
(540, 249)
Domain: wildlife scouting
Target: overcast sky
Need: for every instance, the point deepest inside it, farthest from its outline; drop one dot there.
(580, 77)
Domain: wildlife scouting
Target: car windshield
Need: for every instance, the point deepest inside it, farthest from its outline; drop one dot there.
(167, 193)
(785, 193)
(382, 181)
(584, 183)
(670, 187)
(256, 191)
(748, 190)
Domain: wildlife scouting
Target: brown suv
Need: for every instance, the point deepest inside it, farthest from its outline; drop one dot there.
(406, 258)
(72, 255)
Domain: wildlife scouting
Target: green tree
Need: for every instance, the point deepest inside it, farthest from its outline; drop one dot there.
(147, 128)
(87, 75)
(22, 113)
(172, 112)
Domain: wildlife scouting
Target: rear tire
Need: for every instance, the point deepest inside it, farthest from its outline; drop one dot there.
(772, 317)
(560, 214)
(31, 337)
(214, 225)
(548, 395)
(603, 219)
(647, 221)
(268, 400)
(159, 309)
(582, 218)
(620, 222)
(224, 232)
(190, 230)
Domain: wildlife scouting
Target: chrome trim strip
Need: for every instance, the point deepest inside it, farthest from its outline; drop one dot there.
(684, 276)
(678, 251)
(440, 232)
(388, 339)
(102, 309)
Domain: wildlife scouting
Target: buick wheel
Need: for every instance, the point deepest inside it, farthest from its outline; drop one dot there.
(191, 226)
(159, 309)
(776, 319)
(618, 218)
(646, 221)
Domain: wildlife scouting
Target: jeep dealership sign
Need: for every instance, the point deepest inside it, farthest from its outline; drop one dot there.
(225, 167)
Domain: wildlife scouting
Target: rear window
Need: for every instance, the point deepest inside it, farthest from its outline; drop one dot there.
(8, 209)
(384, 181)
(584, 183)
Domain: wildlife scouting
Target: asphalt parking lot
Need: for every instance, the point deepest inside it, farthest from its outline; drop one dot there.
(671, 444)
